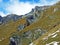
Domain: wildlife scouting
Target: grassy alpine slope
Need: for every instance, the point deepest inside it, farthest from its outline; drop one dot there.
(49, 20)
(49, 37)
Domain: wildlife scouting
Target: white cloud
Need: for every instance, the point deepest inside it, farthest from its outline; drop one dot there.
(2, 14)
(20, 8)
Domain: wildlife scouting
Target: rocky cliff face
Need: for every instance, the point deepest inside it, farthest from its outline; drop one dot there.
(10, 17)
(1, 20)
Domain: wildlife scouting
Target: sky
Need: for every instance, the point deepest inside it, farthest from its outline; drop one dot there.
(21, 7)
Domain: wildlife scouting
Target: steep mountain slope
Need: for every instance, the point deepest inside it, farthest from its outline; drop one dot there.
(45, 23)
(1, 20)
(50, 37)
(9, 17)
(7, 29)
(49, 20)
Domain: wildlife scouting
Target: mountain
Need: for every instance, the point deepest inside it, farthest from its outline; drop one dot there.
(41, 26)
(49, 38)
(9, 17)
(1, 20)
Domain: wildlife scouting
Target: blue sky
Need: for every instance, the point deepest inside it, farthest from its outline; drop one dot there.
(21, 7)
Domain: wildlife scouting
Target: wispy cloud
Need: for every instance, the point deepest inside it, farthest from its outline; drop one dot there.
(2, 14)
(20, 7)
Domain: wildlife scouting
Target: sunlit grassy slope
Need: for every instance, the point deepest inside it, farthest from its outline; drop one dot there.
(48, 37)
(7, 29)
(49, 20)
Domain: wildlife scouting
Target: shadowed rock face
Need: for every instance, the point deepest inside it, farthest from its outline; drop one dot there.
(15, 40)
(21, 27)
(13, 17)
(9, 17)
(30, 19)
(1, 20)
(12, 43)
